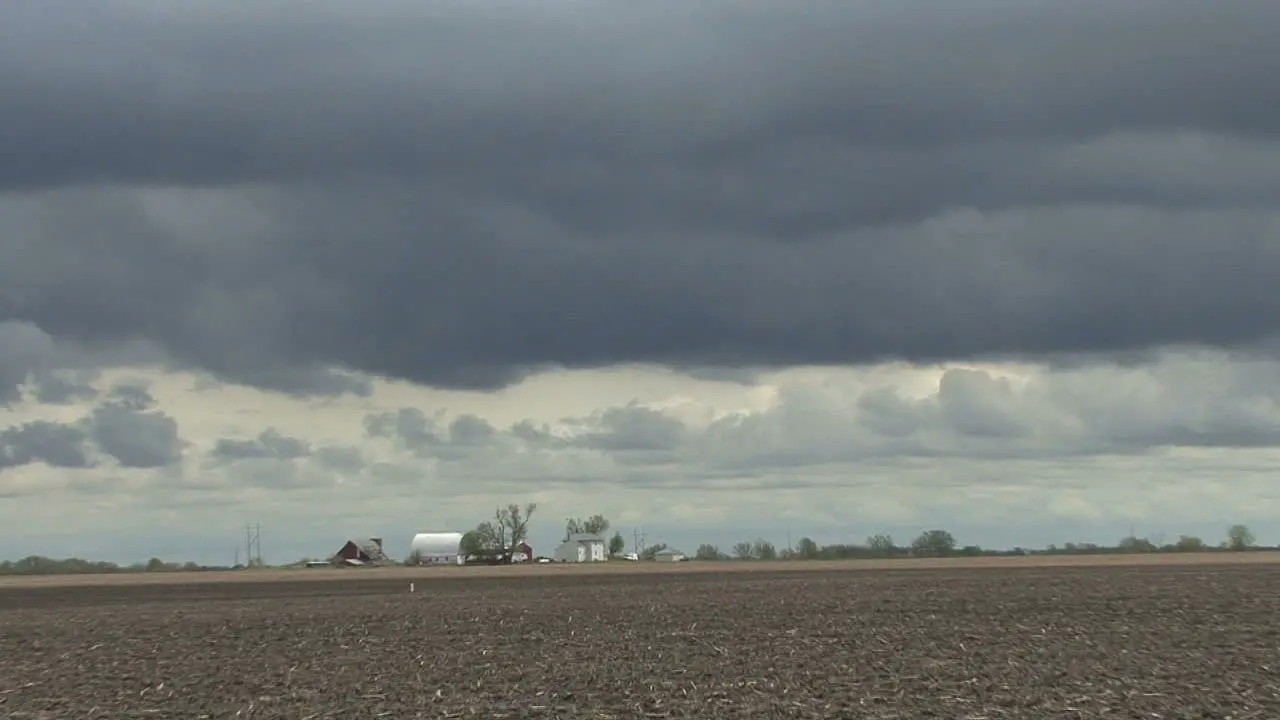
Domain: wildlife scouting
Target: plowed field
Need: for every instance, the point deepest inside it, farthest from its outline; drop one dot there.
(1116, 642)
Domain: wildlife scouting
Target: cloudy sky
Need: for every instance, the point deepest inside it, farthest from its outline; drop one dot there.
(719, 270)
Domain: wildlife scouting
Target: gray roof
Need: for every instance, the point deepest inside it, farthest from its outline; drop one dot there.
(668, 551)
(370, 548)
(585, 537)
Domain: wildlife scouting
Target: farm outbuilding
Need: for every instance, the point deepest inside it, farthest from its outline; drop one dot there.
(522, 552)
(581, 547)
(367, 552)
(669, 555)
(437, 548)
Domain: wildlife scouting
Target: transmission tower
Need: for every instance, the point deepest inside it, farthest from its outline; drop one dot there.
(253, 545)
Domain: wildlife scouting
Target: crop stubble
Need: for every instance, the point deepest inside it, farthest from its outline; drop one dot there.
(1166, 642)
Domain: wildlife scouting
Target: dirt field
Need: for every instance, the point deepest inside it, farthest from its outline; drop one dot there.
(1188, 641)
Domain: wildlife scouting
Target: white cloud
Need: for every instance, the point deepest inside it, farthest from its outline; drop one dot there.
(1002, 454)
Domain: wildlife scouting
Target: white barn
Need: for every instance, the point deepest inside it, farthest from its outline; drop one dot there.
(581, 547)
(437, 548)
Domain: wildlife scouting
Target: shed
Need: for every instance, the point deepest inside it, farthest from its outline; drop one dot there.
(581, 547)
(522, 552)
(669, 555)
(437, 548)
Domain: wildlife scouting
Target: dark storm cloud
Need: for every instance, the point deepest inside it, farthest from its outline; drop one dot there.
(263, 92)
(459, 195)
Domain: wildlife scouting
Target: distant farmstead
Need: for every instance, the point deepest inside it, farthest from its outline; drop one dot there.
(437, 548)
(669, 555)
(581, 547)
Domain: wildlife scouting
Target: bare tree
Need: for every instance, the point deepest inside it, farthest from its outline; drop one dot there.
(513, 524)
(709, 552)
(594, 525)
(496, 539)
(764, 550)
(743, 551)
(651, 552)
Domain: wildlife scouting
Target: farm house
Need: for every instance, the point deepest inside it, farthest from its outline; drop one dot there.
(581, 547)
(437, 548)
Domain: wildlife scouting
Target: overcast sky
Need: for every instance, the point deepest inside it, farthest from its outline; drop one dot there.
(715, 269)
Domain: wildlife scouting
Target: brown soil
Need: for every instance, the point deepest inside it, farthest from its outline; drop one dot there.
(1189, 641)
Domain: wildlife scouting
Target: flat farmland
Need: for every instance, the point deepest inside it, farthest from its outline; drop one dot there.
(1192, 640)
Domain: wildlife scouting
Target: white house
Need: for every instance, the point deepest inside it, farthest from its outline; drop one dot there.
(581, 547)
(669, 555)
(438, 548)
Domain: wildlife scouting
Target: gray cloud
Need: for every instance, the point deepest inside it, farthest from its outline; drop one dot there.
(133, 394)
(1205, 401)
(632, 428)
(269, 444)
(56, 444)
(63, 387)
(408, 425)
(25, 350)
(459, 197)
(135, 438)
(413, 429)
(342, 459)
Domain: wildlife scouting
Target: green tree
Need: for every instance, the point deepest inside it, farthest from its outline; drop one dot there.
(743, 551)
(881, 545)
(708, 552)
(616, 544)
(1239, 537)
(934, 543)
(807, 549)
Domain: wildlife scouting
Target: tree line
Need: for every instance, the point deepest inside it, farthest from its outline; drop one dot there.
(941, 543)
(496, 540)
(40, 565)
